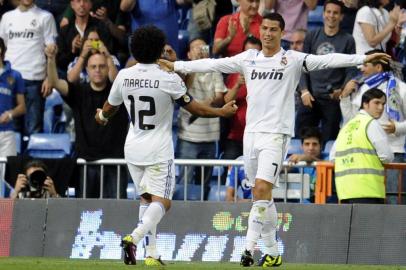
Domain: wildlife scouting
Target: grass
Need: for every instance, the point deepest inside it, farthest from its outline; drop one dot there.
(26, 263)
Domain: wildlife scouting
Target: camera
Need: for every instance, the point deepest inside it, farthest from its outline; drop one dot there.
(95, 44)
(34, 189)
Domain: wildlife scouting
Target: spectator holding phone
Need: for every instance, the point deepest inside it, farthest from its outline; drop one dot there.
(92, 44)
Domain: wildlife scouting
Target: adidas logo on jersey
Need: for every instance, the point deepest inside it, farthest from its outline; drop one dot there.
(21, 34)
(266, 75)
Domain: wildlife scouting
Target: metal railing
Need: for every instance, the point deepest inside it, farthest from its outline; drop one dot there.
(216, 163)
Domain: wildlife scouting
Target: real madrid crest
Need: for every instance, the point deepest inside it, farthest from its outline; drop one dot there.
(10, 80)
(284, 61)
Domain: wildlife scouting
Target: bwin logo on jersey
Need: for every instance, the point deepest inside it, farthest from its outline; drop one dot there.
(266, 75)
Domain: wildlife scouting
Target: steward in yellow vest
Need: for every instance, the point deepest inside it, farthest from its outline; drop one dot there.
(360, 149)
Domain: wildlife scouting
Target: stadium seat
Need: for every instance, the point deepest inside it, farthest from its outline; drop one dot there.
(45, 145)
(315, 18)
(295, 147)
(215, 192)
(193, 192)
(327, 148)
(54, 117)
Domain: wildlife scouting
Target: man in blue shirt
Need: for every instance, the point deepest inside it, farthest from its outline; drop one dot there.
(11, 103)
(237, 174)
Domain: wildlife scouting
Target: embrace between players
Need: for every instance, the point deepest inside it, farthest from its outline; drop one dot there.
(269, 126)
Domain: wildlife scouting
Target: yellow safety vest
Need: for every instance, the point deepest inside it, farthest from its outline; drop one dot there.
(359, 173)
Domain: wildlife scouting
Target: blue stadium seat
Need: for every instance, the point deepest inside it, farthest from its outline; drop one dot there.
(215, 192)
(54, 118)
(295, 147)
(315, 18)
(327, 147)
(193, 192)
(46, 145)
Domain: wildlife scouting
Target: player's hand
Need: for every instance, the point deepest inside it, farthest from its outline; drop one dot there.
(229, 109)
(97, 117)
(307, 98)
(389, 127)
(349, 87)
(380, 57)
(166, 65)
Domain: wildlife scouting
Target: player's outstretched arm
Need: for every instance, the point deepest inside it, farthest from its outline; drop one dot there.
(103, 115)
(378, 57)
(202, 110)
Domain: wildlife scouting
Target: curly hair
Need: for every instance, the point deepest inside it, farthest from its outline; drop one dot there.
(147, 43)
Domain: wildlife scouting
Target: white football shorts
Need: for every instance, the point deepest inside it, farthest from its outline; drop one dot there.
(263, 156)
(156, 179)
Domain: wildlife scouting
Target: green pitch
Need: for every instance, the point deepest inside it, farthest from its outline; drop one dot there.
(19, 263)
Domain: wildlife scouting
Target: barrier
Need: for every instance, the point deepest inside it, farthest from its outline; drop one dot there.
(292, 186)
(202, 231)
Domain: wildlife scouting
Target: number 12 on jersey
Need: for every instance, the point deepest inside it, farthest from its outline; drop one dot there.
(142, 113)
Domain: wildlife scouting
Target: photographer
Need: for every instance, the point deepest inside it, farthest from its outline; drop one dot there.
(34, 183)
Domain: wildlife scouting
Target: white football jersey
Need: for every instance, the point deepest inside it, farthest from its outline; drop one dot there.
(25, 34)
(271, 82)
(149, 94)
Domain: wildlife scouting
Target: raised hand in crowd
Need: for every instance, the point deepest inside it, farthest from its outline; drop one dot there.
(76, 43)
(232, 28)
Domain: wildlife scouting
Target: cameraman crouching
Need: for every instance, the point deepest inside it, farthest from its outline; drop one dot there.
(34, 183)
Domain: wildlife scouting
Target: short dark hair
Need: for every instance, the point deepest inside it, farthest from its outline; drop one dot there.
(369, 3)
(310, 132)
(193, 40)
(252, 40)
(385, 66)
(147, 44)
(3, 49)
(274, 16)
(35, 163)
(370, 95)
(335, 2)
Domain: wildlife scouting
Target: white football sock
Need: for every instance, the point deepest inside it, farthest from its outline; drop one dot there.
(151, 217)
(269, 231)
(256, 221)
(150, 237)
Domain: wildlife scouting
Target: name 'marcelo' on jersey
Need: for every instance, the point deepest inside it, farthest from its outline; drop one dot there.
(149, 94)
(271, 82)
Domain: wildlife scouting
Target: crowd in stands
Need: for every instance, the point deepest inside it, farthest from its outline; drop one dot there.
(73, 49)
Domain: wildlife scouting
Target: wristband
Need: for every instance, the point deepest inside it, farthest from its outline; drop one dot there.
(101, 116)
(305, 93)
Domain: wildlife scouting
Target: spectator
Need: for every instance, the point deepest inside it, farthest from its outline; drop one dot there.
(297, 40)
(233, 29)
(26, 30)
(70, 40)
(114, 20)
(93, 142)
(91, 44)
(295, 13)
(311, 145)
(162, 14)
(237, 91)
(197, 136)
(393, 119)
(320, 90)
(374, 25)
(237, 174)
(12, 104)
(34, 182)
(360, 150)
